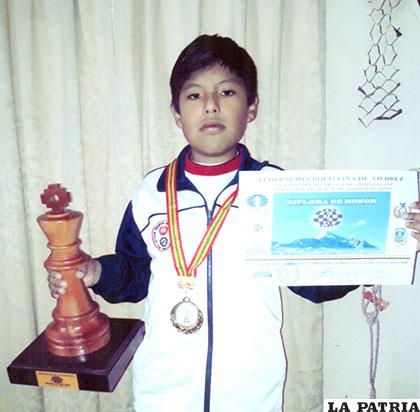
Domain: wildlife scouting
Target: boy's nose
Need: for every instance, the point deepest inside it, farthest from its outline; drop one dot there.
(211, 106)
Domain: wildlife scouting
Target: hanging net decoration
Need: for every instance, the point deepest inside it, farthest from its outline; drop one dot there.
(379, 101)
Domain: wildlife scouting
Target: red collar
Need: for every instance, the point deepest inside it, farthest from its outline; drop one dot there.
(212, 170)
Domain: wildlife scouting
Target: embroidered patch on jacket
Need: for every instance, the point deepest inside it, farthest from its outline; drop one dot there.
(160, 235)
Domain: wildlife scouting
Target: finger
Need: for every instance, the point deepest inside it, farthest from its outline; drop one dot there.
(81, 271)
(57, 292)
(415, 228)
(415, 205)
(56, 280)
(58, 285)
(54, 275)
(55, 295)
(413, 217)
(413, 212)
(416, 235)
(80, 274)
(412, 224)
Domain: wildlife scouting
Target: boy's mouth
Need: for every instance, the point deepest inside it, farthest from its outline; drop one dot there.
(212, 127)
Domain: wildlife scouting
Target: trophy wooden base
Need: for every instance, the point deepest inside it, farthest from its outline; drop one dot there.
(98, 371)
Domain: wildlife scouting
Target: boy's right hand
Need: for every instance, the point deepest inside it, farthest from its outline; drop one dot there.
(90, 272)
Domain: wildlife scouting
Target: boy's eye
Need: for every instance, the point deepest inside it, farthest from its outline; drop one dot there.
(228, 92)
(193, 96)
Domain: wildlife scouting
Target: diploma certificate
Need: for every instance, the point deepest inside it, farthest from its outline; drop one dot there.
(328, 227)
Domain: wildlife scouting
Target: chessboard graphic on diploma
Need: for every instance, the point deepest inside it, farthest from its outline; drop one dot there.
(81, 348)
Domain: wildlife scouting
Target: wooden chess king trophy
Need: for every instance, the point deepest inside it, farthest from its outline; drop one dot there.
(78, 327)
(82, 348)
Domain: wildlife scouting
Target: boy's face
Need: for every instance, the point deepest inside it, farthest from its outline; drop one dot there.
(214, 113)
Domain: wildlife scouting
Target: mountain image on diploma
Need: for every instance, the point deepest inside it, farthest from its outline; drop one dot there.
(327, 244)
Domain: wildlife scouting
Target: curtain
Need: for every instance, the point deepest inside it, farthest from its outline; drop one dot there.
(84, 101)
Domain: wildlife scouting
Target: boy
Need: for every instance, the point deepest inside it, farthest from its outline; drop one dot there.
(212, 337)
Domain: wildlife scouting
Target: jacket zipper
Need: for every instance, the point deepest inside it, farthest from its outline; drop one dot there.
(207, 384)
(209, 360)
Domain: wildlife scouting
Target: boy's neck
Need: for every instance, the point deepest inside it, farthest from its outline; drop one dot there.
(212, 169)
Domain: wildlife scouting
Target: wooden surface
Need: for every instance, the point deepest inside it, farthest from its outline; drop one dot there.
(98, 371)
(78, 327)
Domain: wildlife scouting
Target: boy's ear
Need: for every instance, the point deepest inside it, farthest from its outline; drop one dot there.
(177, 116)
(253, 110)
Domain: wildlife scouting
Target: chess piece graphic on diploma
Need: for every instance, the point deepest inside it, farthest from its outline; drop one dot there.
(81, 348)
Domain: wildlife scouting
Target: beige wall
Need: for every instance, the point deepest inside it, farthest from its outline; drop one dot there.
(384, 144)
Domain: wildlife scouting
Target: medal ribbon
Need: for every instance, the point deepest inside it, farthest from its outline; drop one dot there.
(188, 273)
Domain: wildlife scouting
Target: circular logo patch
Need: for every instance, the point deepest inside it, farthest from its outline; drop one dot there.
(160, 235)
(401, 210)
(257, 201)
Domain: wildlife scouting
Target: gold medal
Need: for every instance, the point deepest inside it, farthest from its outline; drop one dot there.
(186, 316)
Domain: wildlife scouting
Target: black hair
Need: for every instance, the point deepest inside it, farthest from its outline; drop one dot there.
(206, 51)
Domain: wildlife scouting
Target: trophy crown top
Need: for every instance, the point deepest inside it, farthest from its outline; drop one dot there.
(56, 198)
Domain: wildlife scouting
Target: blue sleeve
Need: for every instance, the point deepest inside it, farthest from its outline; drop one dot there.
(126, 274)
(318, 294)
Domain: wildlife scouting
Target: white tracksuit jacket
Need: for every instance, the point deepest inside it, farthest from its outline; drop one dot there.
(236, 361)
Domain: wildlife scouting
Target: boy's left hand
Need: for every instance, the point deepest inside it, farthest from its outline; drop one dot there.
(412, 221)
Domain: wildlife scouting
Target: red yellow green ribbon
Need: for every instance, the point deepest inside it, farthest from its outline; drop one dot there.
(188, 273)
